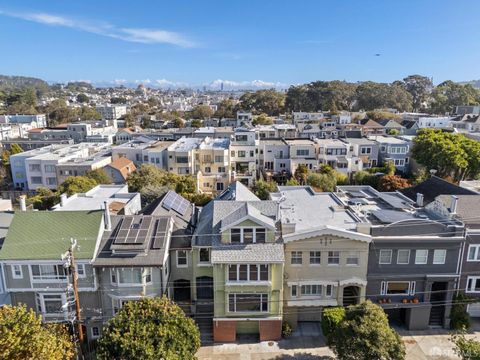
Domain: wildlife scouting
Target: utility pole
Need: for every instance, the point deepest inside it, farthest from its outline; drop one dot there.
(69, 259)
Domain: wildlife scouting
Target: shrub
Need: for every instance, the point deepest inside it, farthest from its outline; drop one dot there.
(466, 349)
(459, 318)
(331, 318)
(286, 329)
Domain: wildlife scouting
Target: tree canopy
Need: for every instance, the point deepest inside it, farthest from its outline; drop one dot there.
(365, 333)
(451, 155)
(77, 184)
(202, 112)
(270, 102)
(99, 175)
(150, 329)
(449, 94)
(263, 189)
(24, 336)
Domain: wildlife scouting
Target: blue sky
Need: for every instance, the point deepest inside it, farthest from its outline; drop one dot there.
(197, 42)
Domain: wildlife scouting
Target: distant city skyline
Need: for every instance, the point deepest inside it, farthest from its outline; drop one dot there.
(247, 44)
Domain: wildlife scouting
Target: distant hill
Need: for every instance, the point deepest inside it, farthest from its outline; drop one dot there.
(474, 83)
(8, 83)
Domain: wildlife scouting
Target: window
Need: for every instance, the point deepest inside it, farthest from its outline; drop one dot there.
(366, 150)
(49, 272)
(397, 288)
(399, 162)
(51, 181)
(207, 158)
(36, 180)
(50, 304)
(439, 256)
(474, 252)
(95, 332)
(473, 284)
(80, 270)
(208, 169)
(248, 236)
(385, 256)
(235, 236)
(34, 167)
(403, 256)
(248, 302)
(311, 290)
(182, 260)
(333, 257)
(17, 272)
(294, 290)
(296, 258)
(204, 255)
(302, 152)
(241, 153)
(181, 159)
(130, 276)
(421, 256)
(260, 235)
(315, 257)
(329, 291)
(113, 276)
(352, 259)
(220, 186)
(221, 169)
(49, 168)
(219, 158)
(247, 272)
(19, 175)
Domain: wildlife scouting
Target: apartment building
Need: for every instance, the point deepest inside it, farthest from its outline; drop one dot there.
(393, 149)
(326, 258)
(81, 166)
(274, 158)
(112, 112)
(302, 152)
(364, 149)
(38, 168)
(414, 259)
(244, 155)
(336, 154)
(143, 150)
(307, 117)
(27, 121)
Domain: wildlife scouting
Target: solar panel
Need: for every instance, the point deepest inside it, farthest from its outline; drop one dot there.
(173, 201)
(160, 233)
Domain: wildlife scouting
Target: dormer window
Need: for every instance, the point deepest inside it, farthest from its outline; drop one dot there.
(247, 235)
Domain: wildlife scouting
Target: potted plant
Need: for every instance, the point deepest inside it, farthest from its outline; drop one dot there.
(415, 300)
(404, 301)
(389, 300)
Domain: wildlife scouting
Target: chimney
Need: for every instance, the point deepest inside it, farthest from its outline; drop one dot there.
(453, 205)
(23, 202)
(63, 200)
(419, 199)
(107, 220)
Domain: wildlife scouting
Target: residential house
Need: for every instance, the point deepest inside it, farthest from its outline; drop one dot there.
(326, 258)
(414, 256)
(366, 150)
(336, 154)
(244, 155)
(81, 166)
(393, 149)
(119, 170)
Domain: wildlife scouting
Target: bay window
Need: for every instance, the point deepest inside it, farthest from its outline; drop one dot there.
(49, 272)
(50, 304)
(131, 276)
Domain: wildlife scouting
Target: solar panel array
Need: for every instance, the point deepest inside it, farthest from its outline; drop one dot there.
(131, 233)
(160, 233)
(175, 202)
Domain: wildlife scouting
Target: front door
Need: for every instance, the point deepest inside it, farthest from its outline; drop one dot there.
(438, 297)
(204, 288)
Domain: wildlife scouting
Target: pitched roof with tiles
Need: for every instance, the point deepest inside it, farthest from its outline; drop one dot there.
(124, 166)
(45, 235)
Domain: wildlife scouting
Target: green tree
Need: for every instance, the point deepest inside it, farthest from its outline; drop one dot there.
(466, 349)
(331, 318)
(24, 336)
(301, 173)
(449, 94)
(43, 199)
(420, 88)
(262, 119)
(99, 175)
(270, 102)
(15, 149)
(196, 123)
(76, 184)
(459, 317)
(322, 182)
(292, 182)
(202, 112)
(86, 113)
(263, 189)
(150, 329)
(82, 98)
(371, 96)
(146, 122)
(382, 115)
(129, 120)
(365, 334)
(451, 155)
(366, 178)
(226, 109)
(178, 123)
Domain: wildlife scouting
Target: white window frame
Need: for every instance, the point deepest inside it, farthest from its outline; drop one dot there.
(333, 257)
(315, 257)
(311, 287)
(476, 253)
(436, 252)
(410, 289)
(203, 263)
(177, 252)
(380, 256)
(238, 281)
(40, 301)
(93, 333)
(471, 281)
(247, 312)
(14, 271)
(47, 278)
(298, 255)
(398, 257)
(328, 294)
(417, 262)
(294, 291)
(83, 274)
(145, 272)
(254, 234)
(352, 255)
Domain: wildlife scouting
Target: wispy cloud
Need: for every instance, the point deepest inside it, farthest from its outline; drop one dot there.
(137, 35)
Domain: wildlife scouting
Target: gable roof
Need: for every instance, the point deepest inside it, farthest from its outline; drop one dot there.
(239, 192)
(246, 212)
(123, 165)
(42, 235)
(433, 187)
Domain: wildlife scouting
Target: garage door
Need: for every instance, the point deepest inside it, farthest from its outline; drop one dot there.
(309, 314)
(474, 310)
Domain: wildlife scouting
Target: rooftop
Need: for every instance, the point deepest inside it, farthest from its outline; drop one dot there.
(185, 144)
(387, 139)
